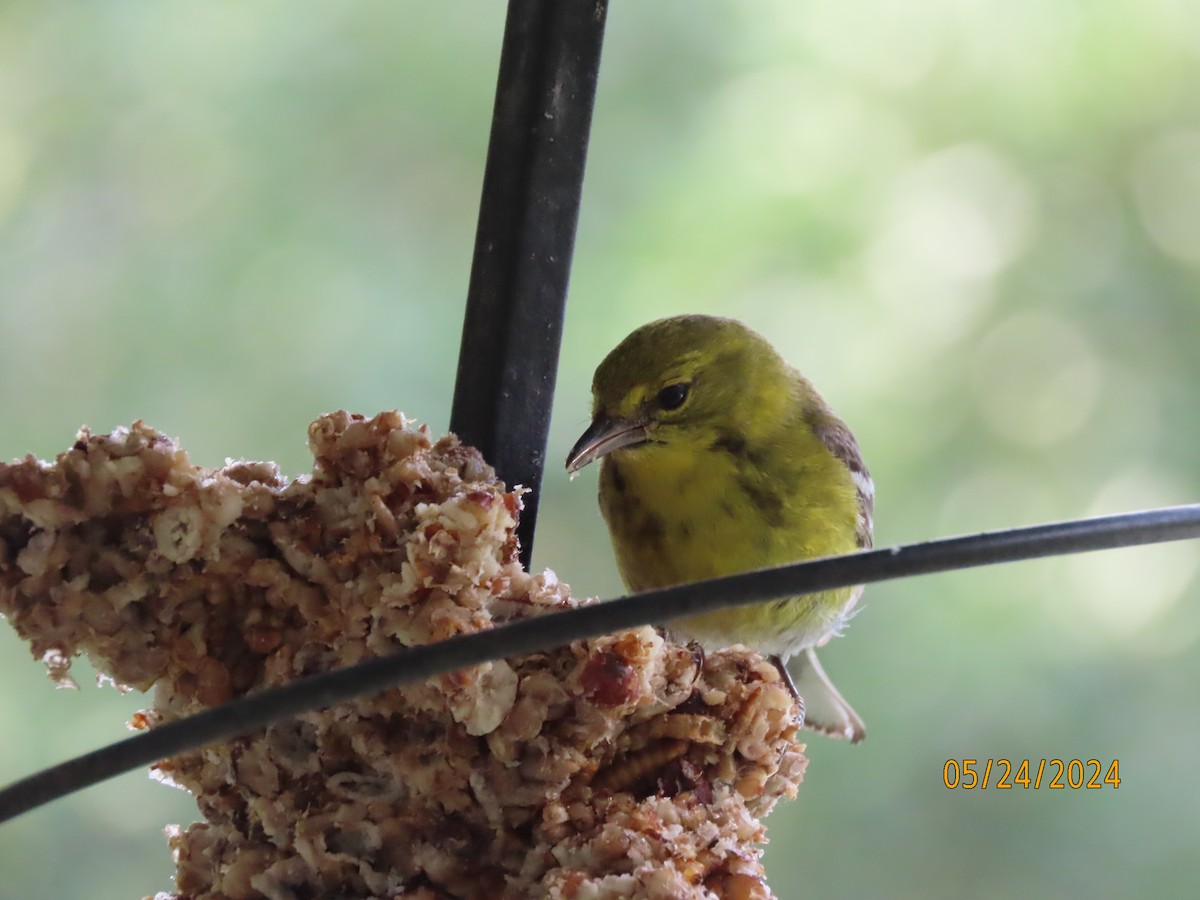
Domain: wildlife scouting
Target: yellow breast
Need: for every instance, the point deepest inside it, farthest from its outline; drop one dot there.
(683, 514)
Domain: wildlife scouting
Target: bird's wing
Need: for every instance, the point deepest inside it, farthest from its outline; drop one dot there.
(825, 710)
(838, 438)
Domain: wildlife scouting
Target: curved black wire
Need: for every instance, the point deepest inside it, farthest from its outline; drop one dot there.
(545, 632)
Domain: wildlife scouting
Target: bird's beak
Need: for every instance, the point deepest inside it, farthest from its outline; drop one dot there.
(603, 436)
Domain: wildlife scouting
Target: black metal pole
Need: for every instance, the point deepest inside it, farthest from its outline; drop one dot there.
(528, 212)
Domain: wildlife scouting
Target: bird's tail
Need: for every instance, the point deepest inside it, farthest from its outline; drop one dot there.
(825, 710)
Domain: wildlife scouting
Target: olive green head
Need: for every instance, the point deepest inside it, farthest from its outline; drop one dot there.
(686, 380)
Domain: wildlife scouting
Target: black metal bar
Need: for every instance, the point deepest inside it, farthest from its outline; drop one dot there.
(542, 633)
(527, 216)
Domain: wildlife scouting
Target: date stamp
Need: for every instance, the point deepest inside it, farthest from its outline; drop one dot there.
(1052, 774)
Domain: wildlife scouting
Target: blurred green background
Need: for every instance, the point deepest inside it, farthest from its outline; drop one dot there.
(975, 224)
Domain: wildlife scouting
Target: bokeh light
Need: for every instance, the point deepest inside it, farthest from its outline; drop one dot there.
(974, 224)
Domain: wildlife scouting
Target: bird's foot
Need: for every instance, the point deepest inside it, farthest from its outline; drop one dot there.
(786, 677)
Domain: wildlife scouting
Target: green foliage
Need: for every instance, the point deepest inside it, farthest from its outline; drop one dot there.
(975, 225)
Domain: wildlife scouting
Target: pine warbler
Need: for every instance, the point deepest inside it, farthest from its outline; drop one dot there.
(717, 458)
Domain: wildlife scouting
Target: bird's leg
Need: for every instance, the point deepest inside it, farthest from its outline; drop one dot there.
(786, 677)
(697, 655)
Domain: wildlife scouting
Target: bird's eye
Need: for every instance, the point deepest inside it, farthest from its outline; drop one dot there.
(673, 396)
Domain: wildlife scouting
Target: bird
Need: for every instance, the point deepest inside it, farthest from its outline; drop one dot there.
(717, 457)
